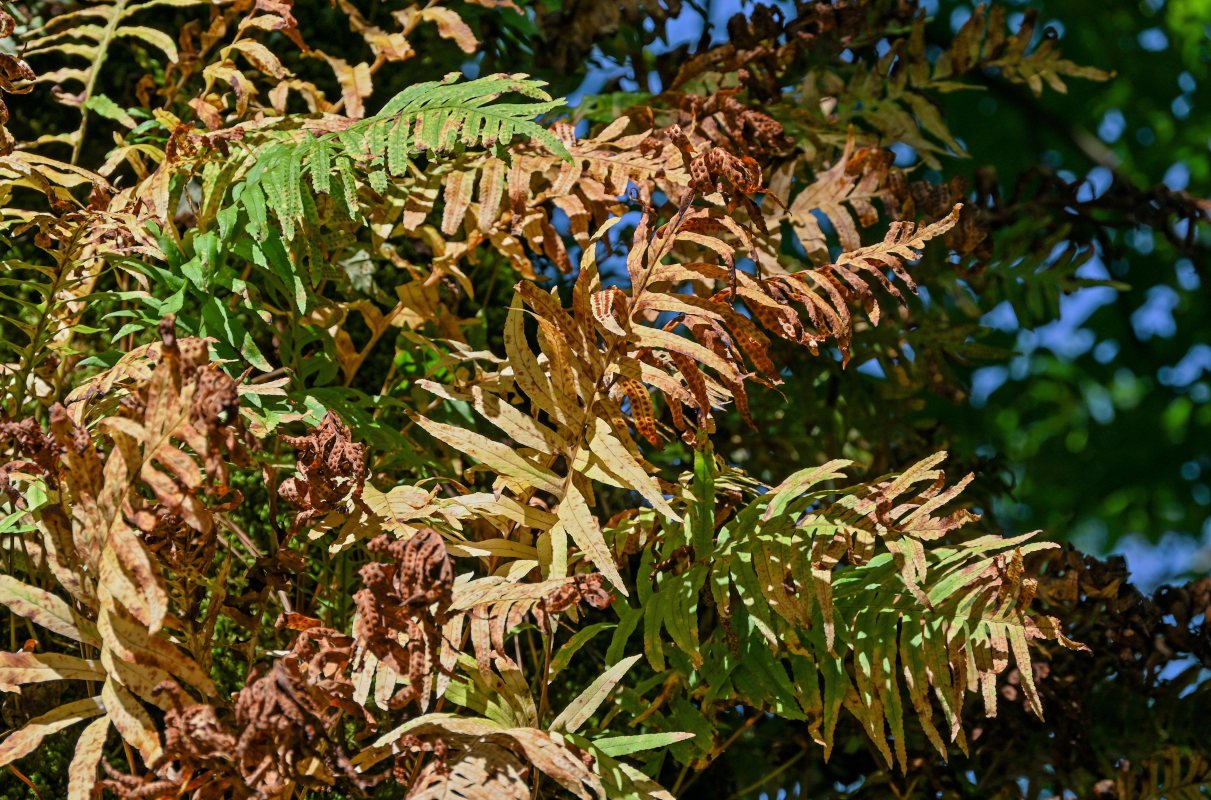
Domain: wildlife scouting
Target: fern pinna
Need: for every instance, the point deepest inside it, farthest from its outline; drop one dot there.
(437, 450)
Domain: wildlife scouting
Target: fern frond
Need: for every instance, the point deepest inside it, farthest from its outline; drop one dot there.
(90, 34)
(826, 292)
(983, 43)
(437, 117)
(576, 392)
(1171, 773)
(849, 589)
(43, 304)
(155, 469)
(488, 758)
(484, 196)
(891, 96)
(843, 194)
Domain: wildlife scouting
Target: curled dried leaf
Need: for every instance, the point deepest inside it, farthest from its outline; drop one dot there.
(409, 596)
(330, 465)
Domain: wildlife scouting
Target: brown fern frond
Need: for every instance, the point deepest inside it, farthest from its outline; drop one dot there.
(843, 194)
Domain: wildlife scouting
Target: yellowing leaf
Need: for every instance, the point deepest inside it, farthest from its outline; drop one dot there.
(553, 758)
(500, 457)
(356, 84)
(21, 667)
(132, 720)
(24, 741)
(579, 523)
(457, 196)
(654, 337)
(487, 771)
(151, 36)
(46, 609)
(261, 57)
(520, 426)
(451, 26)
(615, 457)
(579, 710)
(401, 504)
(82, 774)
(130, 641)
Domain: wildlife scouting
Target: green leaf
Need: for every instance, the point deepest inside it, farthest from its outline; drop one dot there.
(224, 326)
(254, 202)
(102, 105)
(564, 655)
(626, 745)
(628, 621)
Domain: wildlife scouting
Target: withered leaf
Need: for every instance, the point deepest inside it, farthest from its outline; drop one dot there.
(82, 773)
(24, 741)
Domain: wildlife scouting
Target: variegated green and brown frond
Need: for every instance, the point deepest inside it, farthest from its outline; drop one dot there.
(600, 356)
(505, 199)
(137, 478)
(435, 117)
(481, 348)
(867, 598)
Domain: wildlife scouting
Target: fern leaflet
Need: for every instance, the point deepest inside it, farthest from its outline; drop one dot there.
(436, 117)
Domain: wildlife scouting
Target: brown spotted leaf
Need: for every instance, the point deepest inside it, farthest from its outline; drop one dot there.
(24, 741)
(82, 773)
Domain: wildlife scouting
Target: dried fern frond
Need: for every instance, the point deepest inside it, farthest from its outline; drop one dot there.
(164, 455)
(508, 204)
(844, 194)
(67, 38)
(576, 390)
(459, 591)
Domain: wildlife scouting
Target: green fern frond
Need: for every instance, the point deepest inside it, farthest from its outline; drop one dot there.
(436, 117)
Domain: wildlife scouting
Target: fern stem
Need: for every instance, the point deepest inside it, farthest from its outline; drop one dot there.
(102, 52)
(548, 645)
(716, 752)
(28, 359)
(130, 757)
(740, 793)
(22, 777)
(385, 388)
(12, 618)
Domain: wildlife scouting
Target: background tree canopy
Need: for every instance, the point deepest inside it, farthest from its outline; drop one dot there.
(550, 399)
